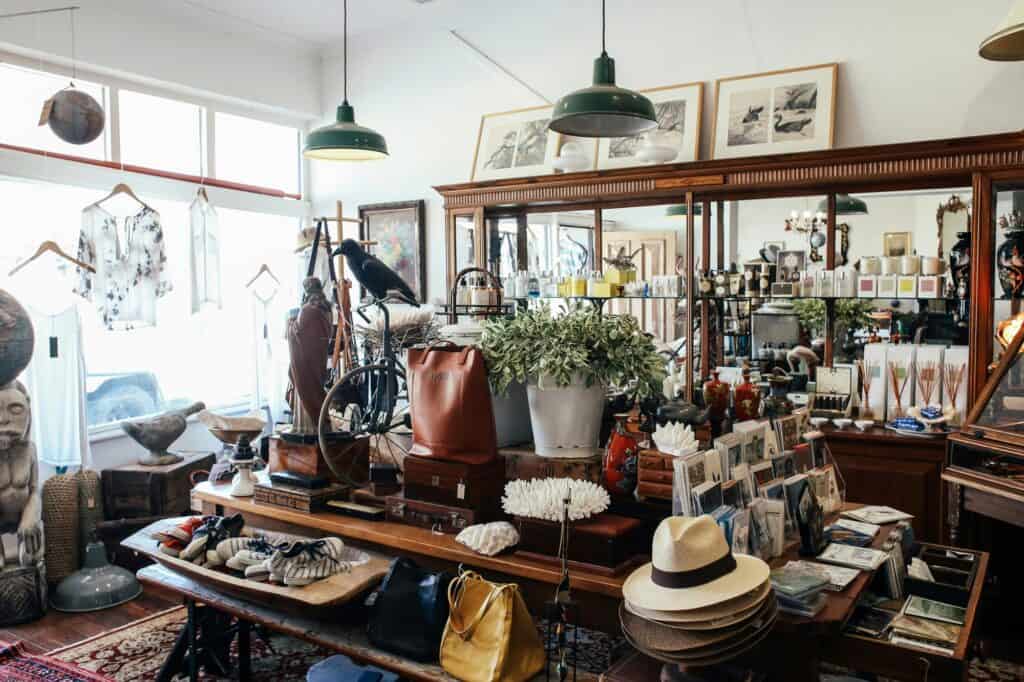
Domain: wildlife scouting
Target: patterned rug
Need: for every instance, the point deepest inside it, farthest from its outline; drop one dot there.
(18, 666)
(135, 652)
(989, 670)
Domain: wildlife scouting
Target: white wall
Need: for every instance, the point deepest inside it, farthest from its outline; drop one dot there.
(182, 47)
(909, 71)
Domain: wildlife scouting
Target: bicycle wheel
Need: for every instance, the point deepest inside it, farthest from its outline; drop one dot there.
(363, 420)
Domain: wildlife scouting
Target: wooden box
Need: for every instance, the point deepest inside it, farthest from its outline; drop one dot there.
(135, 490)
(470, 486)
(439, 517)
(607, 540)
(297, 458)
(525, 464)
(654, 475)
(301, 499)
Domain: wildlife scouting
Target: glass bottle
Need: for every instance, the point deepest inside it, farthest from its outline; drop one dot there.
(533, 285)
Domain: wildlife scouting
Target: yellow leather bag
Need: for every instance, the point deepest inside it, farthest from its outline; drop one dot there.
(490, 636)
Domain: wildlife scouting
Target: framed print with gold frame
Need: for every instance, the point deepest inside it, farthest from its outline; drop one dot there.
(777, 112)
(514, 144)
(896, 244)
(678, 109)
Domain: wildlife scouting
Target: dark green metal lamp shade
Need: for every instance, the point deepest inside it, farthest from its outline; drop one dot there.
(846, 205)
(603, 109)
(98, 585)
(345, 140)
(680, 209)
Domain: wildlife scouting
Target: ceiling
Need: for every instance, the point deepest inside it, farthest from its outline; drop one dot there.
(321, 21)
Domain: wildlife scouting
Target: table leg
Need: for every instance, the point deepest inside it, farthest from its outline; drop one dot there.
(172, 664)
(244, 651)
(193, 654)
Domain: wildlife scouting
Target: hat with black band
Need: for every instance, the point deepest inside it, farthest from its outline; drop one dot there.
(692, 567)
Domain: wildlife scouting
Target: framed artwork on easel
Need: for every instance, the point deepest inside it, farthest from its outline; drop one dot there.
(399, 230)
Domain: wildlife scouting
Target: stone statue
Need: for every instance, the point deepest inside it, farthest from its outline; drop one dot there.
(156, 434)
(20, 506)
(309, 346)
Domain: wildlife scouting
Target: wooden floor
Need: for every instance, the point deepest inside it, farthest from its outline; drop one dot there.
(56, 630)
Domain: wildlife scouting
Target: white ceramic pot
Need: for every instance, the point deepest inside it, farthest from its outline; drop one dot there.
(870, 265)
(931, 265)
(566, 420)
(890, 265)
(910, 265)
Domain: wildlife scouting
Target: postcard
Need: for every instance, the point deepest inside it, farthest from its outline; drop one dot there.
(855, 557)
(935, 610)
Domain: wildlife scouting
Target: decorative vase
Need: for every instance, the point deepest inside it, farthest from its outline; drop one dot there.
(1010, 262)
(716, 397)
(620, 460)
(960, 262)
(566, 420)
(748, 399)
(777, 404)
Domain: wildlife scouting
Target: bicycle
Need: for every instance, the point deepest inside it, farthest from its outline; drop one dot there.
(365, 414)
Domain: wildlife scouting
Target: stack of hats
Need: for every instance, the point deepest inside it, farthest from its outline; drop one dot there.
(696, 604)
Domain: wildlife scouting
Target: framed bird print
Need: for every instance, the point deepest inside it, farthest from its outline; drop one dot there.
(514, 144)
(399, 230)
(777, 112)
(677, 138)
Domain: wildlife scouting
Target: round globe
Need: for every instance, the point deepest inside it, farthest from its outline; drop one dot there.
(76, 117)
(16, 338)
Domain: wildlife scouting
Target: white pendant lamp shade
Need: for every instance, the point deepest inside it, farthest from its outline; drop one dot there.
(1006, 44)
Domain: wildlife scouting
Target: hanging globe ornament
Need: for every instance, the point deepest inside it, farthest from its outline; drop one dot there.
(74, 116)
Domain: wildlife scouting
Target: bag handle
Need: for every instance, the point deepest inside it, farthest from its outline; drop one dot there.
(435, 345)
(456, 585)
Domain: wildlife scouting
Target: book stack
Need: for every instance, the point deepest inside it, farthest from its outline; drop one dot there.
(839, 577)
(849, 532)
(928, 625)
(799, 589)
(861, 558)
(877, 514)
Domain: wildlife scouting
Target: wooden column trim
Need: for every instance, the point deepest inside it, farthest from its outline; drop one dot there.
(722, 265)
(691, 281)
(981, 306)
(720, 228)
(598, 263)
(705, 303)
(830, 264)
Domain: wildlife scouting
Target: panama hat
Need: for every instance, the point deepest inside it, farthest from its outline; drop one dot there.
(711, 657)
(658, 637)
(712, 617)
(692, 567)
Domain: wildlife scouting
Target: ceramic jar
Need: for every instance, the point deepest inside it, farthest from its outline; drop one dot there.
(910, 265)
(777, 404)
(716, 397)
(748, 399)
(931, 265)
(870, 265)
(1010, 263)
(890, 265)
(620, 460)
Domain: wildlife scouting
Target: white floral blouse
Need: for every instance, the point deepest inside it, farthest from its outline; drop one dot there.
(131, 266)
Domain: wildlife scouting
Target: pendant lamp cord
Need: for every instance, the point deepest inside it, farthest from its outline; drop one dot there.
(344, 58)
(74, 58)
(603, 28)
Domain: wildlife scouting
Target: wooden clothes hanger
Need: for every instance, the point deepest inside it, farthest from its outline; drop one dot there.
(51, 247)
(121, 188)
(263, 268)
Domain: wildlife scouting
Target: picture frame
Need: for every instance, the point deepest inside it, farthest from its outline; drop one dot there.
(867, 286)
(399, 228)
(790, 265)
(906, 286)
(886, 286)
(679, 112)
(928, 286)
(896, 244)
(775, 112)
(513, 144)
(826, 283)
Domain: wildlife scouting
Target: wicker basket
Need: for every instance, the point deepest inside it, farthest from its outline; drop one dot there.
(90, 505)
(60, 522)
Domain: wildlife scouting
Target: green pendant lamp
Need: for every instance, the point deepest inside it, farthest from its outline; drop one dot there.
(345, 140)
(603, 109)
(846, 205)
(680, 209)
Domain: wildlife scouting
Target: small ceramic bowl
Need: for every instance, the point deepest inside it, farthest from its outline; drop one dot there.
(842, 423)
(864, 424)
(818, 422)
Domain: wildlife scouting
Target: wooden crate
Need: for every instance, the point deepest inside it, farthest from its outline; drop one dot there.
(135, 490)
(654, 475)
(525, 464)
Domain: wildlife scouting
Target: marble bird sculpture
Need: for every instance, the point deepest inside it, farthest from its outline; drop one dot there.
(378, 278)
(157, 433)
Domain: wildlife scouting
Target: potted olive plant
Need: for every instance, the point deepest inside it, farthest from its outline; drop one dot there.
(568, 362)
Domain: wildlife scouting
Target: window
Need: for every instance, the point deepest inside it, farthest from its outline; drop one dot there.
(162, 133)
(256, 153)
(209, 356)
(25, 90)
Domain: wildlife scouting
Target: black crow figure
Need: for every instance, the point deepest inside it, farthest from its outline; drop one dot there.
(379, 279)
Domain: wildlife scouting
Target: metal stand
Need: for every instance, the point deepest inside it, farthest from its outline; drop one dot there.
(205, 643)
(560, 620)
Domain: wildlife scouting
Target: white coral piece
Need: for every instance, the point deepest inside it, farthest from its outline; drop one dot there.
(489, 538)
(542, 498)
(675, 439)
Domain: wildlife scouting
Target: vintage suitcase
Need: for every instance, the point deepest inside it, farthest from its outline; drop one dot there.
(525, 464)
(607, 540)
(437, 517)
(470, 486)
(301, 499)
(135, 490)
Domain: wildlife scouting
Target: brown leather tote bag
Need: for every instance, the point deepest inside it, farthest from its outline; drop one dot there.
(452, 414)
